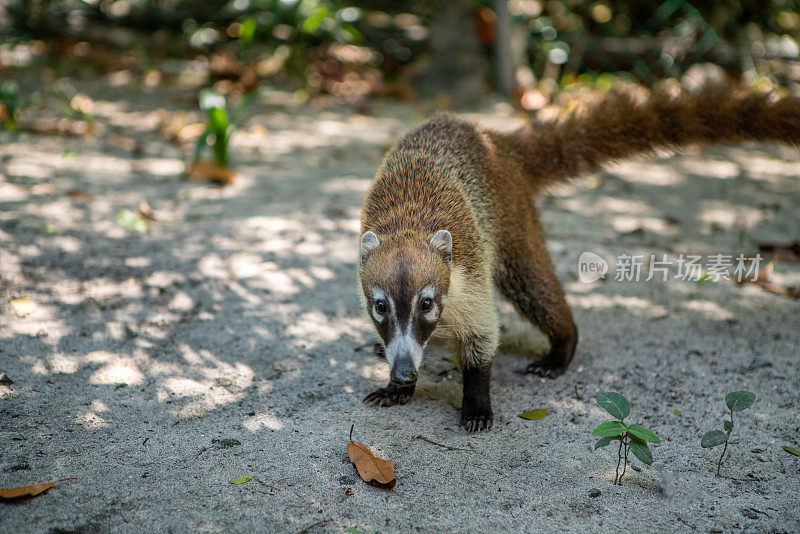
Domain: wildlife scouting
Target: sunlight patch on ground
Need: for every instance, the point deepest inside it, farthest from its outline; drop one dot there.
(347, 184)
(636, 304)
(650, 173)
(725, 215)
(709, 168)
(314, 325)
(708, 309)
(264, 419)
(117, 369)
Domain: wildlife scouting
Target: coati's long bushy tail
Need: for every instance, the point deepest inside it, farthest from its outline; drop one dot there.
(620, 128)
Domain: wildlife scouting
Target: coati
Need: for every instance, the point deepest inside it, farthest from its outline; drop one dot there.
(452, 212)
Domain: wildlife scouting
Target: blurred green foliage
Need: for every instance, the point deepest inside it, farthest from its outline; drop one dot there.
(323, 40)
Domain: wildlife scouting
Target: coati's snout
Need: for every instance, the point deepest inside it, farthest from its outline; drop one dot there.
(405, 281)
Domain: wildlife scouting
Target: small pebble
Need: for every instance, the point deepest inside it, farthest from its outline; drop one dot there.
(594, 492)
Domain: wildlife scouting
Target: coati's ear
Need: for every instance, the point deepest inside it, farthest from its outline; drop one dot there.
(442, 243)
(369, 242)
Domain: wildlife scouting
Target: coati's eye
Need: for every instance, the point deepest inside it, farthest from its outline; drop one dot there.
(426, 305)
(380, 306)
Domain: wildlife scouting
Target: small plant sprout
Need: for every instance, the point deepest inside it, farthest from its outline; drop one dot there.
(736, 402)
(218, 129)
(220, 126)
(631, 437)
(9, 103)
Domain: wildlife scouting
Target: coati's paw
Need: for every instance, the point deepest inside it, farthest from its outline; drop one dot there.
(475, 421)
(545, 369)
(390, 395)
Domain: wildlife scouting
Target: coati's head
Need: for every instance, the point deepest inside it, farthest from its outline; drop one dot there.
(405, 280)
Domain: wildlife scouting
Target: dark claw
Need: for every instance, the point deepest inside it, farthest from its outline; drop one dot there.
(390, 395)
(544, 369)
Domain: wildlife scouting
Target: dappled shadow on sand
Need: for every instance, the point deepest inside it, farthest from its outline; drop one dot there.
(237, 316)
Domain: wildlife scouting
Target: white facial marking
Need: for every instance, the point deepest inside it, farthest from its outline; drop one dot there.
(379, 294)
(404, 343)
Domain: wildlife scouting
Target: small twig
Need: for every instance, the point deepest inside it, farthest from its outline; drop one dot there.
(317, 524)
(449, 448)
(351, 431)
(577, 393)
(204, 449)
(145, 440)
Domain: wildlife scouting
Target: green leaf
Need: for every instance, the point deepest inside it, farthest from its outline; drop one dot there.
(676, 411)
(727, 425)
(351, 530)
(605, 440)
(242, 480)
(791, 450)
(202, 142)
(713, 438)
(130, 221)
(703, 279)
(247, 30)
(642, 433)
(610, 429)
(218, 122)
(615, 404)
(640, 449)
(739, 400)
(534, 415)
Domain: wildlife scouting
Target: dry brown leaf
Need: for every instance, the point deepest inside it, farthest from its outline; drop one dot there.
(79, 196)
(206, 170)
(371, 469)
(29, 491)
(145, 211)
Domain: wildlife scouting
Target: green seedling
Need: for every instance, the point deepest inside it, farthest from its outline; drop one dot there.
(632, 437)
(219, 125)
(736, 402)
(9, 104)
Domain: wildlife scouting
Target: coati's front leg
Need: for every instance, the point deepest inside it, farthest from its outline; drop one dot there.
(391, 395)
(525, 276)
(476, 354)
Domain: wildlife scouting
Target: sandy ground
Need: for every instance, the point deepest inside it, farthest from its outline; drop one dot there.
(157, 367)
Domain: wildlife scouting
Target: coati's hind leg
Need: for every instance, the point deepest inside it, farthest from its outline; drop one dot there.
(525, 276)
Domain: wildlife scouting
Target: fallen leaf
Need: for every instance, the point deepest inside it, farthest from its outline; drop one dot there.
(534, 415)
(6, 381)
(29, 491)
(131, 221)
(242, 480)
(206, 170)
(23, 306)
(79, 196)
(791, 450)
(145, 211)
(371, 469)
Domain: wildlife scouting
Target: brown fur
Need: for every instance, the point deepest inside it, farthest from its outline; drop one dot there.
(482, 186)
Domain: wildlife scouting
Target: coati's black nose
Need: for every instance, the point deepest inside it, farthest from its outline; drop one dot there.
(403, 372)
